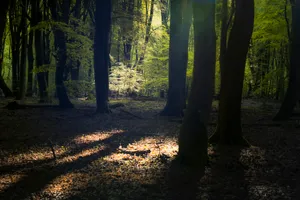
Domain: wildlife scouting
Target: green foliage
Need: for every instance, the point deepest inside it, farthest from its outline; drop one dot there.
(124, 80)
(155, 67)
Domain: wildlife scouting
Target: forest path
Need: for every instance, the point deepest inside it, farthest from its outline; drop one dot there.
(119, 156)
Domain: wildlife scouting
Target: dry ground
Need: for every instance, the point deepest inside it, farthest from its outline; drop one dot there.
(119, 157)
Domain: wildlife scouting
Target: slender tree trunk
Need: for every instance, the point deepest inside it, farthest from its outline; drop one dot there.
(224, 30)
(30, 65)
(128, 8)
(165, 13)
(229, 122)
(15, 32)
(293, 92)
(3, 11)
(101, 53)
(37, 16)
(23, 65)
(61, 51)
(148, 30)
(181, 17)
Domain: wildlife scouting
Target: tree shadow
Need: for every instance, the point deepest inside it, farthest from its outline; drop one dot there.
(183, 181)
(36, 179)
(227, 174)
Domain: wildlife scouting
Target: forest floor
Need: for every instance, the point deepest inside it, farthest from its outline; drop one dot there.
(47, 153)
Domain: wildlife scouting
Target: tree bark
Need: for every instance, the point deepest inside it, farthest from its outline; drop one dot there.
(24, 39)
(30, 64)
(101, 53)
(193, 134)
(148, 30)
(61, 50)
(165, 13)
(37, 16)
(229, 129)
(181, 17)
(3, 11)
(293, 92)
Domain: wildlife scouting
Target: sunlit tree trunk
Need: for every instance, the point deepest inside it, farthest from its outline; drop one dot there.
(181, 17)
(148, 29)
(229, 122)
(101, 53)
(3, 11)
(293, 92)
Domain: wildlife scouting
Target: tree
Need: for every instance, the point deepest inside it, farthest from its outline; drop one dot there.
(40, 50)
(23, 61)
(293, 92)
(60, 14)
(193, 134)
(101, 53)
(229, 129)
(3, 11)
(181, 17)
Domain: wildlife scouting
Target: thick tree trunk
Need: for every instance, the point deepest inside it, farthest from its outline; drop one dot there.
(229, 124)
(101, 53)
(3, 11)
(293, 92)
(193, 134)
(181, 17)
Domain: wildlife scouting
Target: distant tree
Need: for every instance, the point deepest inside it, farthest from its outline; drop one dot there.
(180, 22)
(229, 129)
(3, 12)
(193, 133)
(293, 92)
(101, 53)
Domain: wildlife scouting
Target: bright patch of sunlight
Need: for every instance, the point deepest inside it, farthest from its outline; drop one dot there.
(80, 155)
(145, 149)
(70, 182)
(9, 179)
(96, 136)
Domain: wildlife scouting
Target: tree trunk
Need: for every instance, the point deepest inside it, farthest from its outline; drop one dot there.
(61, 50)
(101, 53)
(148, 29)
(193, 134)
(181, 17)
(293, 92)
(224, 30)
(128, 8)
(23, 65)
(3, 11)
(15, 31)
(165, 13)
(39, 51)
(30, 65)
(229, 123)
